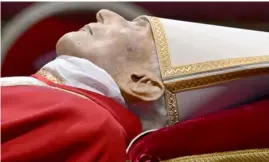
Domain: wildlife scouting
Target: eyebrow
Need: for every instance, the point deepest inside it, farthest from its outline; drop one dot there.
(139, 19)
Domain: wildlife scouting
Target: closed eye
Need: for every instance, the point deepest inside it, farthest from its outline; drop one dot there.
(141, 22)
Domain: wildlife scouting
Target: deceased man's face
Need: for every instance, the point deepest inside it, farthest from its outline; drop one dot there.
(122, 48)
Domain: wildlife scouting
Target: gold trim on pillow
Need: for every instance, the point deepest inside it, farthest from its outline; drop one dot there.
(255, 155)
(167, 71)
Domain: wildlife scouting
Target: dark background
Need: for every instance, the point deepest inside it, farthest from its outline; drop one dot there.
(40, 40)
(253, 15)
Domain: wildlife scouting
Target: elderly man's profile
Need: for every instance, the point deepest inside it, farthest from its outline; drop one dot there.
(139, 85)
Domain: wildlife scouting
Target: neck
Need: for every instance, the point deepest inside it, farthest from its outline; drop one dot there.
(153, 115)
(81, 73)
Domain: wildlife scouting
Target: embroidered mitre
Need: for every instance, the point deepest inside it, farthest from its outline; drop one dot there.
(206, 68)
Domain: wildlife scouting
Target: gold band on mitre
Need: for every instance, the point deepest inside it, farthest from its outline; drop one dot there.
(255, 155)
(164, 62)
(171, 107)
(168, 71)
(197, 75)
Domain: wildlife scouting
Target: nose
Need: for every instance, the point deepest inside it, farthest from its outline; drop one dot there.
(107, 16)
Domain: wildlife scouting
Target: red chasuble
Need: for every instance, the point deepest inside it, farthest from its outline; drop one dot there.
(244, 128)
(45, 124)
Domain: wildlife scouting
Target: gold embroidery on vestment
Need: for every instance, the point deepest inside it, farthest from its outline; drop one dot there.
(56, 80)
(255, 155)
(49, 76)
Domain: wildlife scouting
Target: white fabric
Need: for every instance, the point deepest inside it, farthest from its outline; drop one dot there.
(14, 81)
(81, 73)
(221, 96)
(75, 72)
(191, 43)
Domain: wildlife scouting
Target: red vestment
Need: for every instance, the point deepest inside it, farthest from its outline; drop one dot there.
(45, 124)
(246, 127)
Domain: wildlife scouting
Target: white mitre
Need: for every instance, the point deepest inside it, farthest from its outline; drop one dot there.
(206, 68)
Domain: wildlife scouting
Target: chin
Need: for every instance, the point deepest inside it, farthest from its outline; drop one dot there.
(65, 45)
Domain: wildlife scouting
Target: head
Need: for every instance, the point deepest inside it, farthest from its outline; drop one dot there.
(125, 49)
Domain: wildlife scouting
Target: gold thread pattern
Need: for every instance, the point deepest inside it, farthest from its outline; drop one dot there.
(161, 45)
(167, 71)
(171, 107)
(56, 80)
(255, 155)
(170, 97)
(165, 62)
(182, 85)
(49, 76)
(214, 65)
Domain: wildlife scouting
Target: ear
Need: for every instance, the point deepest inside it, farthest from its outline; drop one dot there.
(143, 86)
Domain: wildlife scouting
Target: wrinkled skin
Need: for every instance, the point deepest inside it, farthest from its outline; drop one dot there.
(122, 48)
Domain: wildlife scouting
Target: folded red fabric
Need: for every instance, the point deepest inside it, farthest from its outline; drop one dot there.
(246, 127)
(42, 124)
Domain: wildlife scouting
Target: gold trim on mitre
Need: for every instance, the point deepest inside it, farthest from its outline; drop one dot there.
(168, 71)
(198, 75)
(161, 45)
(164, 63)
(171, 107)
(179, 84)
(255, 155)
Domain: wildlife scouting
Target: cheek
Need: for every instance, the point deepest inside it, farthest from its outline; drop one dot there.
(111, 46)
(108, 54)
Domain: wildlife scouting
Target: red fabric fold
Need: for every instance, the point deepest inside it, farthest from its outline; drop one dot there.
(129, 121)
(246, 127)
(41, 124)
